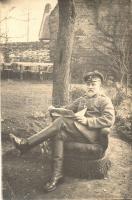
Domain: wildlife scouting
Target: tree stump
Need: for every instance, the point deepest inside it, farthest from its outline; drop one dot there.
(81, 167)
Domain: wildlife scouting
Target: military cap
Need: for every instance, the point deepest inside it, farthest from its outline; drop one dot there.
(93, 76)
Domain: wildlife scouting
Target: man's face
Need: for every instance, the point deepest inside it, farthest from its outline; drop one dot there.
(93, 88)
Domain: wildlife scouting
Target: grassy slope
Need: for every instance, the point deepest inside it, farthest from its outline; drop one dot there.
(22, 103)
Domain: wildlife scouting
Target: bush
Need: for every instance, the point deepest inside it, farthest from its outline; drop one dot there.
(124, 128)
(116, 93)
(124, 119)
(122, 104)
(77, 91)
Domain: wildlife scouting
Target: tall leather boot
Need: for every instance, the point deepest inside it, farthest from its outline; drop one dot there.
(57, 176)
(24, 145)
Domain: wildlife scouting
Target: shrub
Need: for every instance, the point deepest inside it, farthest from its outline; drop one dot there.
(116, 93)
(77, 91)
(124, 119)
(122, 105)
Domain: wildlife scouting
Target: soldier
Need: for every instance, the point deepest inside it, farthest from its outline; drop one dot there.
(91, 127)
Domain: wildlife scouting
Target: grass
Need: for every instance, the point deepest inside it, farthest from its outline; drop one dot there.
(23, 103)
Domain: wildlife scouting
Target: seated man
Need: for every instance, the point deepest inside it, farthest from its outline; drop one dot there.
(89, 128)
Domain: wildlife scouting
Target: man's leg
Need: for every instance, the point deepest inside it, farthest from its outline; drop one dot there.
(54, 130)
(51, 131)
(57, 174)
(68, 133)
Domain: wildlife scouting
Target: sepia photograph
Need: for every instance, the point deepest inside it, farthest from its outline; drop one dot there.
(66, 99)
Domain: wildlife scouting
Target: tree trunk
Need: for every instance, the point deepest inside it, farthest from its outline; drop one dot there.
(61, 70)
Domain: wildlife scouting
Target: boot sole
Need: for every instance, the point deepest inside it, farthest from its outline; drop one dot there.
(21, 151)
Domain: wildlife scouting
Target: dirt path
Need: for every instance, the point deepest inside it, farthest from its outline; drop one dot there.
(26, 176)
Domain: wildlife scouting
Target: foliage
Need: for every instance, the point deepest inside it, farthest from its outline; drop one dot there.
(115, 41)
(124, 119)
(77, 91)
(124, 127)
(122, 105)
(120, 95)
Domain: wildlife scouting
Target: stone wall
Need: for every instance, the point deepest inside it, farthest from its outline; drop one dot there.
(27, 52)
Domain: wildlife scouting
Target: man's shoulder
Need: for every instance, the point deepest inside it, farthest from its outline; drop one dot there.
(104, 99)
(100, 97)
(103, 96)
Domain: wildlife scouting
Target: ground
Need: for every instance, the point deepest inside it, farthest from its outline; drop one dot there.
(23, 112)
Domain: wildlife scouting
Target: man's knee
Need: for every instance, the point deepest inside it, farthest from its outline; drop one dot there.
(58, 126)
(105, 131)
(59, 122)
(61, 135)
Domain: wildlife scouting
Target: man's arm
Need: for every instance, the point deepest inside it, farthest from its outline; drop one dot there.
(73, 106)
(107, 118)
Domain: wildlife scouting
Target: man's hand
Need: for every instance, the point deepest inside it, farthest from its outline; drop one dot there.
(51, 108)
(81, 119)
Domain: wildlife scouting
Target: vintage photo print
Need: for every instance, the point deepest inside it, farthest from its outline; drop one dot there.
(66, 112)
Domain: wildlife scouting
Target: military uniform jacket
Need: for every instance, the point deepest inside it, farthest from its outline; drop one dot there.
(100, 111)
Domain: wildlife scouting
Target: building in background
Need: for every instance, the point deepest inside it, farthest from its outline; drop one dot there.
(44, 33)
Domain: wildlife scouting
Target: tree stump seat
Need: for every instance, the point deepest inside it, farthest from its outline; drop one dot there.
(82, 165)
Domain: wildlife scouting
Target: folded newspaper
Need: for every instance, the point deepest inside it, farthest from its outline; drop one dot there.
(67, 113)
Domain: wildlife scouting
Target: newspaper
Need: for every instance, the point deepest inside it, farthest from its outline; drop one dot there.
(67, 113)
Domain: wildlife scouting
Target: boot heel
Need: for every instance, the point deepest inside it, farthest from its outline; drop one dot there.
(51, 186)
(61, 180)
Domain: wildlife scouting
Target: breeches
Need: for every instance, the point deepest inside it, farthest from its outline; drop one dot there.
(68, 132)
(64, 129)
(78, 142)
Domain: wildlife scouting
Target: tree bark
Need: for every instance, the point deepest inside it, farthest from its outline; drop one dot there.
(61, 70)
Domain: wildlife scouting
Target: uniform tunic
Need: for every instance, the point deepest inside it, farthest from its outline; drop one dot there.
(100, 111)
